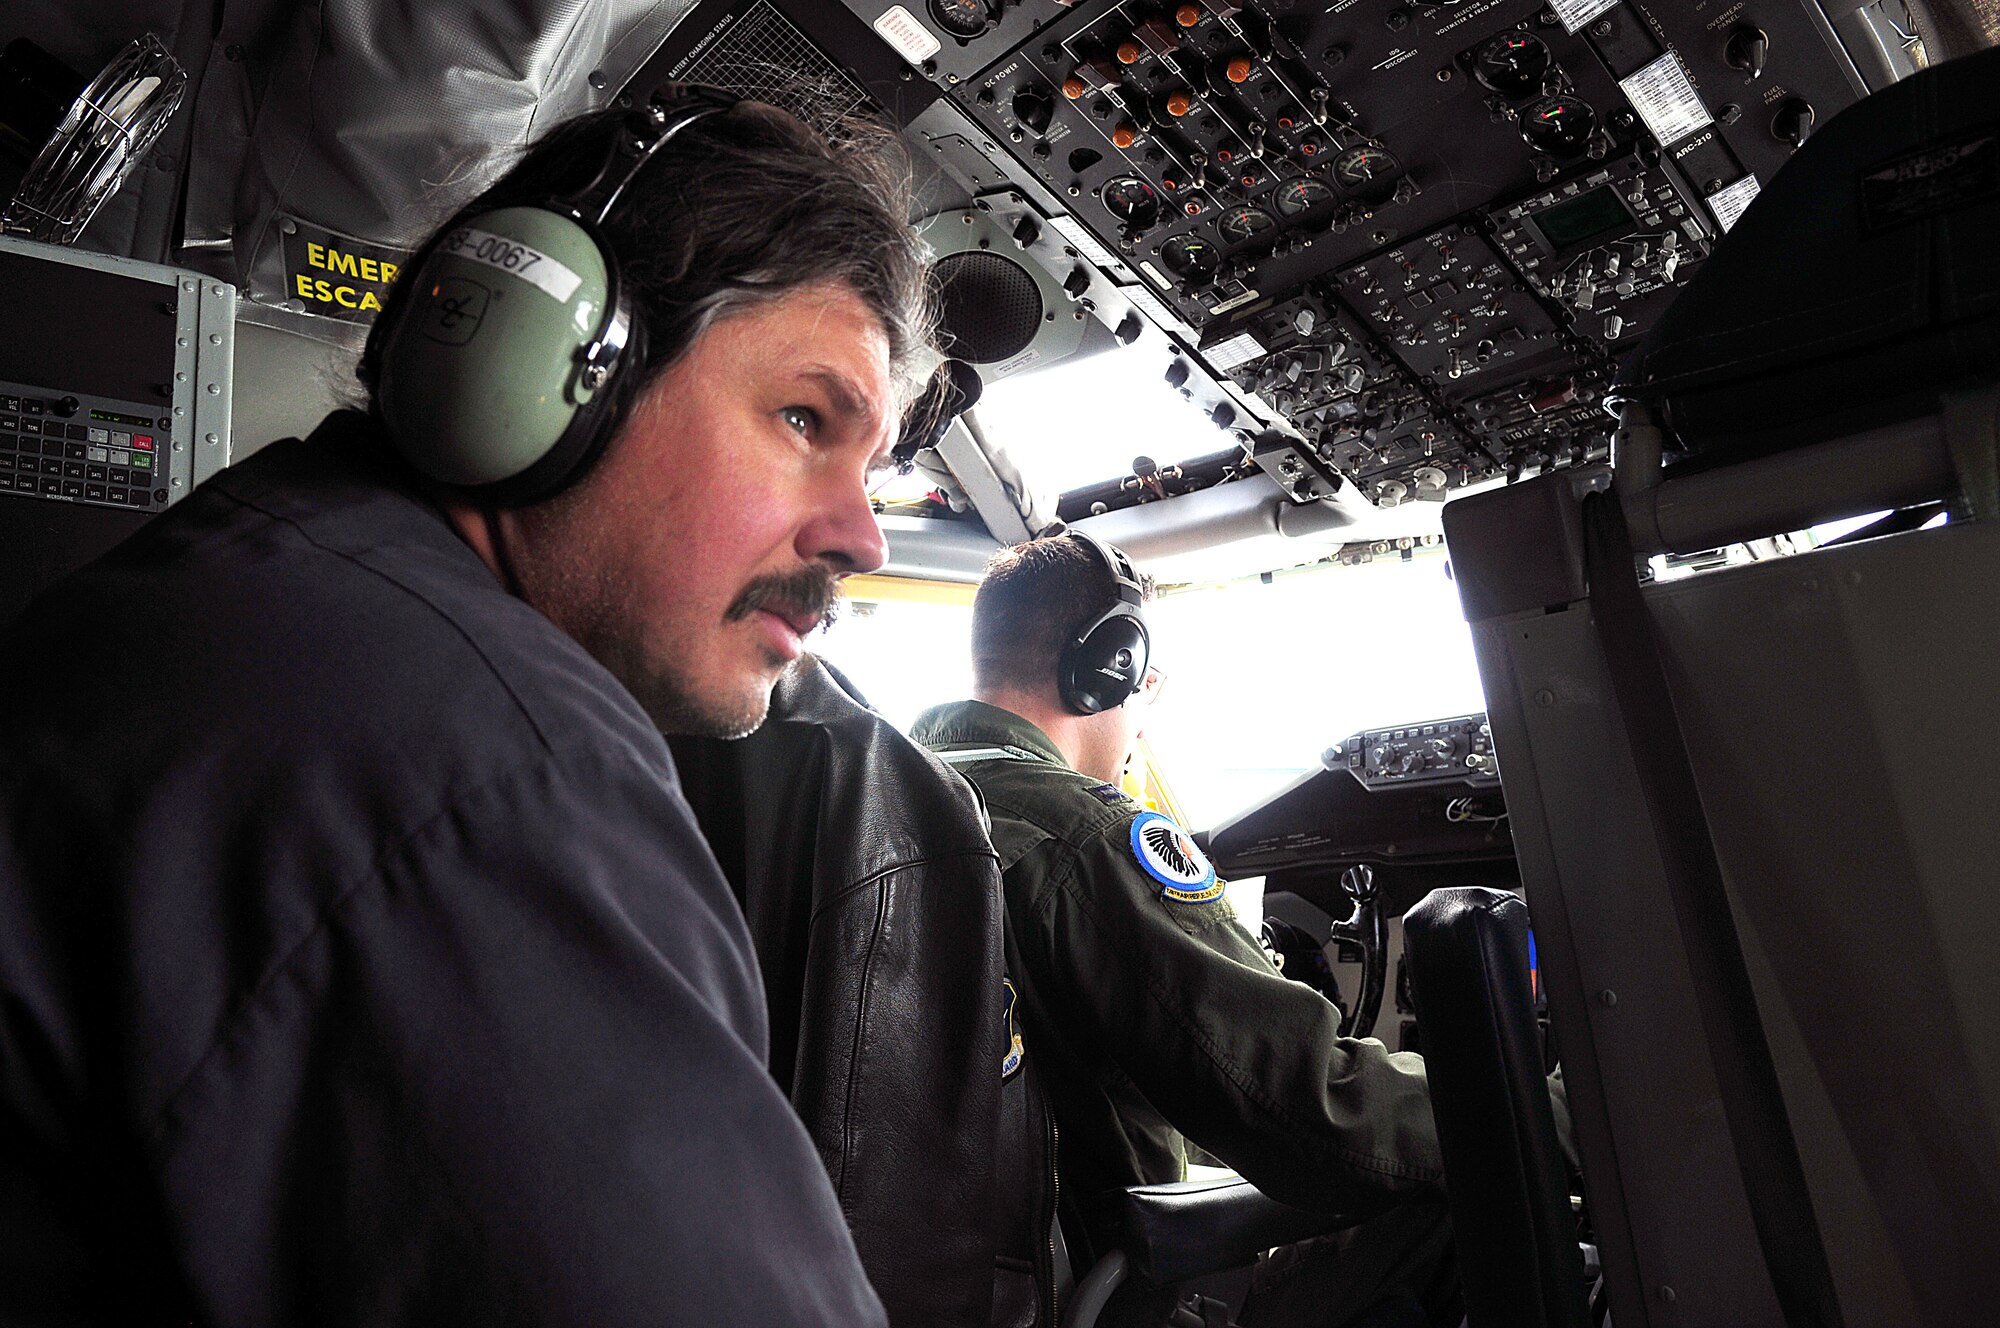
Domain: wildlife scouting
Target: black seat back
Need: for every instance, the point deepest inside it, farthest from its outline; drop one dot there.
(1467, 949)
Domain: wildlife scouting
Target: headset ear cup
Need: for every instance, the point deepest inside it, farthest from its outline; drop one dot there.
(482, 377)
(1102, 668)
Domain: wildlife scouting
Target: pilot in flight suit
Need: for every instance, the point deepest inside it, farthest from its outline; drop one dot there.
(1155, 1015)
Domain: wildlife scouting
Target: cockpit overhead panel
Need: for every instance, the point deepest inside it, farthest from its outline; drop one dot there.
(1418, 237)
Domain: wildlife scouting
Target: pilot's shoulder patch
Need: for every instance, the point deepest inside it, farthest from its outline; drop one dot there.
(1109, 794)
(1011, 1060)
(1170, 856)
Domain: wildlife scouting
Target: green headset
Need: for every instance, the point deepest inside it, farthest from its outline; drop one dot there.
(1106, 662)
(505, 367)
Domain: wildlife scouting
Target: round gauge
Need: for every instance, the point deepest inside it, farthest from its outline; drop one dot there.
(1132, 201)
(1360, 167)
(962, 18)
(1560, 126)
(1189, 257)
(1297, 197)
(1243, 224)
(1512, 63)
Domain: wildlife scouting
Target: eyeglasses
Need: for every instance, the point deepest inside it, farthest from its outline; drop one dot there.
(1152, 684)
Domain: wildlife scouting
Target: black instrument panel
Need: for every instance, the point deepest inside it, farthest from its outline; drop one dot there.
(1481, 205)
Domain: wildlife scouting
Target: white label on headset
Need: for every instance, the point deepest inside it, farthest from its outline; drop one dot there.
(514, 258)
(912, 40)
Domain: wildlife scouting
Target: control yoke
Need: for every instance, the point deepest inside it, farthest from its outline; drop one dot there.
(1367, 930)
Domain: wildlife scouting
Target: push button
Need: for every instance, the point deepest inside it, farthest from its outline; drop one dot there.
(119, 475)
(72, 488)
(93, 493)
(94, 473)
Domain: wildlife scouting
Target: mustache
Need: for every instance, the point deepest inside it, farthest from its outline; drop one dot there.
(813, 589)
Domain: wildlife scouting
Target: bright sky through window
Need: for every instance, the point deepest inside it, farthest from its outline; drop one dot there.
(1083, 421)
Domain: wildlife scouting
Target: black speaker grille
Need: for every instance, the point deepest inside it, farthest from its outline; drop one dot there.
(991, 306)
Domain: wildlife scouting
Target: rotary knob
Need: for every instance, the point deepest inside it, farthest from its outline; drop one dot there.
(1747, 49)
(1034, 108)
(1794, 121)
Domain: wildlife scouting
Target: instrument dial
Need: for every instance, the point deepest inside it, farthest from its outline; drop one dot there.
(1358, 168)
(1243, 224)
(1297, 197)
(1561, 126)
(1190, 257)
(961, 18)
(1132, 201)
(1512, 64)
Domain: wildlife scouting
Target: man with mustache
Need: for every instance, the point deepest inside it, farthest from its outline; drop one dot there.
(360, 961)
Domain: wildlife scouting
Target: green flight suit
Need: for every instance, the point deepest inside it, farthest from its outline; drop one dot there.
(1154, 1014)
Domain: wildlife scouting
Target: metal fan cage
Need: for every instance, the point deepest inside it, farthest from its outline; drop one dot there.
(104, 134)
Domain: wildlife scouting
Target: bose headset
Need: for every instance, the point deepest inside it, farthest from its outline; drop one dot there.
(510, 360)
(1106, 662)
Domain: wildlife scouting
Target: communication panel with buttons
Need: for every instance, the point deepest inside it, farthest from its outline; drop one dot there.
(92, 451)
(115, 378)
(1443, 751)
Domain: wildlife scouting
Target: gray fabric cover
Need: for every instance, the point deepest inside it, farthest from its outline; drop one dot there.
(372, 120)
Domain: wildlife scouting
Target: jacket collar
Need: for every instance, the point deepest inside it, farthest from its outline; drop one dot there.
(966, 722)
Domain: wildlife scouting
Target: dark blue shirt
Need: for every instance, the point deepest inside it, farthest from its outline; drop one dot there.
(360, 961)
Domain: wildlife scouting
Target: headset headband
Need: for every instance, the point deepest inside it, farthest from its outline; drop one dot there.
(669, 109)
(1114, 559)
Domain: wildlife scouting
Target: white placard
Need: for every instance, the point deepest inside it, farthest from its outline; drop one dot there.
(1239, 349)
(1247, 297)
(910, 38)
(1729, 204)
(1575, 13)
(1083, 241)
(515, 259)
(1665, 99)
(1149, 304)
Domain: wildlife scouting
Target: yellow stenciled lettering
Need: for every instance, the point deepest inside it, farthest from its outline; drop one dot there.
(389, 271)
(303, 284)
(370, 270)
(368, 300)
(316, 254)
(342, 263)
(344, 297)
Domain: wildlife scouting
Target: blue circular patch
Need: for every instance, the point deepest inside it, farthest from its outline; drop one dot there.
(1170, 856)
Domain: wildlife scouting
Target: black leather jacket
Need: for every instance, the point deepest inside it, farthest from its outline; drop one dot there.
(873, 898)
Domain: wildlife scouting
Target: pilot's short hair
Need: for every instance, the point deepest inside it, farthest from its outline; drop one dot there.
(1034, 599)
(737, 210)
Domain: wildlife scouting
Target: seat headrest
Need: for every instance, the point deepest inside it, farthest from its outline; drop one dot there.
(1864, 280)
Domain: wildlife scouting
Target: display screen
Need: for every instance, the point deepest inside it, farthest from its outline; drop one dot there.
(1582, 218)
(113, 417)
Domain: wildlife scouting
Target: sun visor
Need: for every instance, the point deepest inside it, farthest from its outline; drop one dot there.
(1863, 281)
